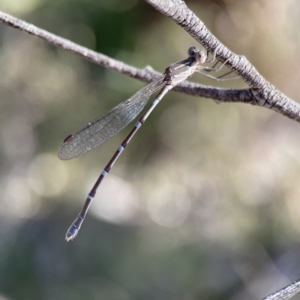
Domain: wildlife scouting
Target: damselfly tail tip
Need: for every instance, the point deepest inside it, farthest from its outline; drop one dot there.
(71, 233)
(74, 228)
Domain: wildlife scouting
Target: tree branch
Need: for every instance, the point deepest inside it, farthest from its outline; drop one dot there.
(146, 75)
(263, 92)
(286, 292)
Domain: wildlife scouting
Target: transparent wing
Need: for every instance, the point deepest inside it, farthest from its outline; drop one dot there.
(108, 125)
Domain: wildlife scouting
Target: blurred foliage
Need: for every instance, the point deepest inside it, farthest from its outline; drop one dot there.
(204, 203)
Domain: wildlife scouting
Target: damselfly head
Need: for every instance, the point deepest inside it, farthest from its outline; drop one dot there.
(193, 51)
(199, 55)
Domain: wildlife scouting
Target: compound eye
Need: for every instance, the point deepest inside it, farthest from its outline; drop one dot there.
(202, 56)
(192, 51)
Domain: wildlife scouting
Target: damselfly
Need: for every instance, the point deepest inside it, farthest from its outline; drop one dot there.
(108, 125)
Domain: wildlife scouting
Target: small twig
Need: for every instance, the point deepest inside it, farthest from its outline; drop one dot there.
(249, 96)
(285, 293)
(146, 75)
(264, 93)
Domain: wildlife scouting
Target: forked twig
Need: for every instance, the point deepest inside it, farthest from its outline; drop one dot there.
(263, 92)
(146, 75)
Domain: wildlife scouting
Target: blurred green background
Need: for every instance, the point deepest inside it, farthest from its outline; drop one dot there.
(203, 204)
